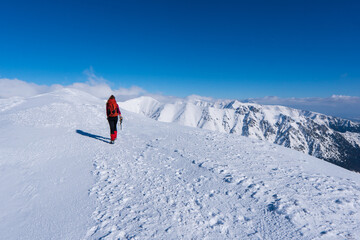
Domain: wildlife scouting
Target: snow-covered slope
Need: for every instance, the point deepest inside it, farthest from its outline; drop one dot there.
(60, 179)
(332, 139)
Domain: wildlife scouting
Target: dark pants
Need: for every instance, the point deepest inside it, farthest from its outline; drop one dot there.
(112, 122)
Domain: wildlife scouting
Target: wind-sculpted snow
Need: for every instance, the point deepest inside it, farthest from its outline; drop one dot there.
(332, 139)
(159, 180)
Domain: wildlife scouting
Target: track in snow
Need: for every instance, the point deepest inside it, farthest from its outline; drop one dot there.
(148, 193)
(169, 182)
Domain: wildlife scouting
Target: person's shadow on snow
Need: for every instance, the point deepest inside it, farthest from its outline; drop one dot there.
(97, 137)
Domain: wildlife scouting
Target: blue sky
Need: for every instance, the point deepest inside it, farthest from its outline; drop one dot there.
(222, 49)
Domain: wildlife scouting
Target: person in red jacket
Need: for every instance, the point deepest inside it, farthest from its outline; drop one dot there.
(112, 112)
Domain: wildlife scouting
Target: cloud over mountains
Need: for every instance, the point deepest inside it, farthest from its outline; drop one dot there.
(95, 85)
(335, 105)
(15, 87)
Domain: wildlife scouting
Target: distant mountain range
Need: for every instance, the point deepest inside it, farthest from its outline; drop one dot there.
(333, 139)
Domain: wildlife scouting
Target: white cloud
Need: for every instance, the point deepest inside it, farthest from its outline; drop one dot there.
(15, 87)
(123, 94)
(93, 78)
(335, 105)
(100, 90)
(99, 87)
(95, 85)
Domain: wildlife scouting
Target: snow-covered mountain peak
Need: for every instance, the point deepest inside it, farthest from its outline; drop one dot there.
(143, 104)
(235, 104)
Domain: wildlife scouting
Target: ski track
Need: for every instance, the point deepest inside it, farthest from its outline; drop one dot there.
(158, 185)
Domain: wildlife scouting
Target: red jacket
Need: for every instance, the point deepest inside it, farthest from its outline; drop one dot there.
(112, 108)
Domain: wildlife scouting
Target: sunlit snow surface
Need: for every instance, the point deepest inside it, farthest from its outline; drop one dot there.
(60, 179)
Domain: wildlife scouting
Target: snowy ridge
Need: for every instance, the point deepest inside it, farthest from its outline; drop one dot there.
(60, 179)
(329, 138)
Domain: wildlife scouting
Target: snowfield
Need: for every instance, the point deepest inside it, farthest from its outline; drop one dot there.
(60, 179)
